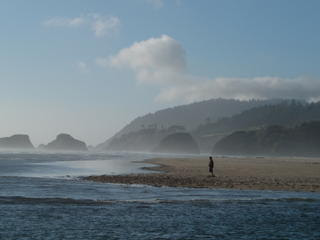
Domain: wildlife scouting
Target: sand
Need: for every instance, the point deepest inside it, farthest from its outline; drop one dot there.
(292, 174)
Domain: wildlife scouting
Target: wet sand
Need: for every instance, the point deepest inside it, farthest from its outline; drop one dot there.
(292, 174)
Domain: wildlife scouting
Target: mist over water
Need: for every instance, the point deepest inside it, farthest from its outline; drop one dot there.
(159, 78)
(65, 164)
(41, 198)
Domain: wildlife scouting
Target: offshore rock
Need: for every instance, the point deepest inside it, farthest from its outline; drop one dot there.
(18, 141)
(65, 142)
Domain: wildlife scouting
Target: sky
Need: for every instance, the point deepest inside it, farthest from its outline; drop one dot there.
(87, 68)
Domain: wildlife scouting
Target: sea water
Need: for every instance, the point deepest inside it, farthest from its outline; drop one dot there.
(41, 197)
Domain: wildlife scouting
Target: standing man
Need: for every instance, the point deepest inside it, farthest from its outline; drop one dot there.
(211, 165)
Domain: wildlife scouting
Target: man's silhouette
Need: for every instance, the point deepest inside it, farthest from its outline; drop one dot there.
(211, 166)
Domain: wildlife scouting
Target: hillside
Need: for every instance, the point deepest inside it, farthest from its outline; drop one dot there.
(288, 113)
(302, 140)
(143, 140)
(190, 116)
(180, 142)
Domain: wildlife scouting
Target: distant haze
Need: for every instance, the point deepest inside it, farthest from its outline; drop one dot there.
(88, 68)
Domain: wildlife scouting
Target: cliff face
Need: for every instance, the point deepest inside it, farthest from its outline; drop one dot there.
(178, 143)
(65, 142)
(18, 141)
(302, 140)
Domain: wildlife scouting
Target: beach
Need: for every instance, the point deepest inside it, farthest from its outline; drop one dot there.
(260, 173)
(43, 197)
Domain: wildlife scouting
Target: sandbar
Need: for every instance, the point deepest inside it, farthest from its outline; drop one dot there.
(259, 173)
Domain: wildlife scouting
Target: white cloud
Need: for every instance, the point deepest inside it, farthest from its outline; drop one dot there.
(242, 88)
(159, 3)
(156, 60)
(64, 22)
(155, 3)
(83, 67)
(178, 2)
(162, 61)
(100, 25)
(103, 62)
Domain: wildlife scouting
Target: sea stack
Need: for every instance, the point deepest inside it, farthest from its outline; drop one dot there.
(65, 142)
(19, 141)
(181, 142)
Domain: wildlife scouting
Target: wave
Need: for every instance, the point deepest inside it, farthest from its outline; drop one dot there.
(71, 201)
(27, 200)
(249, 201)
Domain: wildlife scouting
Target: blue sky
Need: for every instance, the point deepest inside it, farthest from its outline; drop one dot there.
(89, 67)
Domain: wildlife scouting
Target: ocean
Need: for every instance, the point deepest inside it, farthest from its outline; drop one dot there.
(42, 197)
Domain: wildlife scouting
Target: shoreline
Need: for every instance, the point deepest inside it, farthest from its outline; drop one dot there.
(286, 174)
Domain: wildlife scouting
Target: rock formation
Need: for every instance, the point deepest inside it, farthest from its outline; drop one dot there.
(65, 142)
(181, 142)
(18, 141)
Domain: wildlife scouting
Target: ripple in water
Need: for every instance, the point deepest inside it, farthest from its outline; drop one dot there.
(57, 208)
